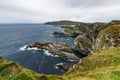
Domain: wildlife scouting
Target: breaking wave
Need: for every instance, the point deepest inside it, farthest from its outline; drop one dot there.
(25, 48)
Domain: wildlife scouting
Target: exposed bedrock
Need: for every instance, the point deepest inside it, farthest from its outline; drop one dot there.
(56, 48)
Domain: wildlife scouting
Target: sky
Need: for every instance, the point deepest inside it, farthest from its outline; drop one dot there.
(40, 11)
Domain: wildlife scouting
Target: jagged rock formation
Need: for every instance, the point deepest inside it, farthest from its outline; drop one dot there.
(98, 36)
(56, 48)
(85, 42)
(114, 22)
(82, 45)
(64, 66)
(58, 33)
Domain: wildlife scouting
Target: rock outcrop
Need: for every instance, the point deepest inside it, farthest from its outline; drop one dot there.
(82, 45)
(85, 42)
(58, 33)
(64, 66)
(56, 48)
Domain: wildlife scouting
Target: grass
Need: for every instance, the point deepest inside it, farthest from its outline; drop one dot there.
(21, 76)
(104, 64)
(5, 72)
(109, 36)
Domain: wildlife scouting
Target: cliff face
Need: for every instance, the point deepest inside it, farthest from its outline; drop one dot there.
(110, 36)
(84, 43)
(98, 36)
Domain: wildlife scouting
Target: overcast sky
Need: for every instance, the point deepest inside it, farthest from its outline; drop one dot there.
(39, 11)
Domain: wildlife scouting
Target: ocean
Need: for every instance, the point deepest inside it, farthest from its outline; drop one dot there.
(14, 38)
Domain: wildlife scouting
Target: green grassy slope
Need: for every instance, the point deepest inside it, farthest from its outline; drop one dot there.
(109, 36)
(103, 64)
(13, 71)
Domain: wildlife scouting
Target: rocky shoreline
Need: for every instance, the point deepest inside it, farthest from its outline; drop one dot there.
(56, 48)
(88, 37)
(59, 49)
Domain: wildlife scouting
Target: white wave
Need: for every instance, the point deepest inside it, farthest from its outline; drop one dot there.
(33, 48)
(25, 48)
(47, 53)
(72, 60)
(60, 63)
(56, 67)
(51, 34)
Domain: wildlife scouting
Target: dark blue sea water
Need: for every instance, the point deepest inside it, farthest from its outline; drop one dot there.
(14, 37)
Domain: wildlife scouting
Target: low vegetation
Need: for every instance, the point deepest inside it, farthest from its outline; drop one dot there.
(103, 64)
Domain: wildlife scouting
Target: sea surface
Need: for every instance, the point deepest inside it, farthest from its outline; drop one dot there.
(14, 38)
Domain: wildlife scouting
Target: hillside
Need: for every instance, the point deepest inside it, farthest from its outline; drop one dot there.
(13, 71)
(63, 22)
(110, 36)
(103, 64)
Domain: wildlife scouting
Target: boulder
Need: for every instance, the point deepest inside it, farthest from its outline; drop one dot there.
(64, 66)
(58, 33)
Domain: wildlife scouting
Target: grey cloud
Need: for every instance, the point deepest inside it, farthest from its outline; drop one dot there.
(90, 3)
(48, 10)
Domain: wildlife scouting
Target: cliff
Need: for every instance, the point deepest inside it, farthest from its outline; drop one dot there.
(98, 36)
(110, 36)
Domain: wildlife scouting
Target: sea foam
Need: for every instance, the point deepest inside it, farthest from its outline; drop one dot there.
(25, 48)
(47, 53)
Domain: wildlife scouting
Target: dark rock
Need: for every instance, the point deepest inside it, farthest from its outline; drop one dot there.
(82, 44)
(99, 36)
(58, 33)
(63, 66)
(113, 22)
(56, 48)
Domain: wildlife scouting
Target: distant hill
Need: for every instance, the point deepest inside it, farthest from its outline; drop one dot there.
(63, 22)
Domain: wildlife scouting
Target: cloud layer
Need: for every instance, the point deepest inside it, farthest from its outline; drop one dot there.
(36, 11)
